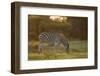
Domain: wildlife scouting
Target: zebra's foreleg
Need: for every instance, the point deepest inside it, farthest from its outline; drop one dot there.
(40, 48)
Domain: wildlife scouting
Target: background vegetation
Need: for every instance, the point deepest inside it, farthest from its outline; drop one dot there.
(74, 29)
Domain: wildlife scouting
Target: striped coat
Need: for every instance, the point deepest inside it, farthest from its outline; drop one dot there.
(52, 39)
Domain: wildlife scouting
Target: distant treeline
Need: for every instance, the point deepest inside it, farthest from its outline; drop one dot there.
(72, 27)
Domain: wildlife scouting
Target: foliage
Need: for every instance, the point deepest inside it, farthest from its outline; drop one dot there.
(74, 28)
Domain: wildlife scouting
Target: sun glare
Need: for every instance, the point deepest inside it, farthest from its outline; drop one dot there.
(58, 18)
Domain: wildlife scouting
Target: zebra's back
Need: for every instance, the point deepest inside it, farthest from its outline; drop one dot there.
(48, 37)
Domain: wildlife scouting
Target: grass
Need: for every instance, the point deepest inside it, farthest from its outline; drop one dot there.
(78, 49)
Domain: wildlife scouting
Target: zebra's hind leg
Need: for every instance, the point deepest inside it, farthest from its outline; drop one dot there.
(67, 48)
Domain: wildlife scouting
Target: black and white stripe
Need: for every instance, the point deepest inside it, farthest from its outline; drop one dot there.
(52, 39)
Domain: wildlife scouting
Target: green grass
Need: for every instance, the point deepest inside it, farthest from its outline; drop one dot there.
(78, 49)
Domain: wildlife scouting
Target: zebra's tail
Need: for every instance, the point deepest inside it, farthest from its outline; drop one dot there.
(66, 45)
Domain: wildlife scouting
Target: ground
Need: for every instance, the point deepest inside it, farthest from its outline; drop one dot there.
(77, 48)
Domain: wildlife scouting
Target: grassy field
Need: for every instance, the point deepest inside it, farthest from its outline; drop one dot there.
(78, 49)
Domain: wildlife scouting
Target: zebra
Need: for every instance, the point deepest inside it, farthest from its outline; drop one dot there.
(52, 39)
